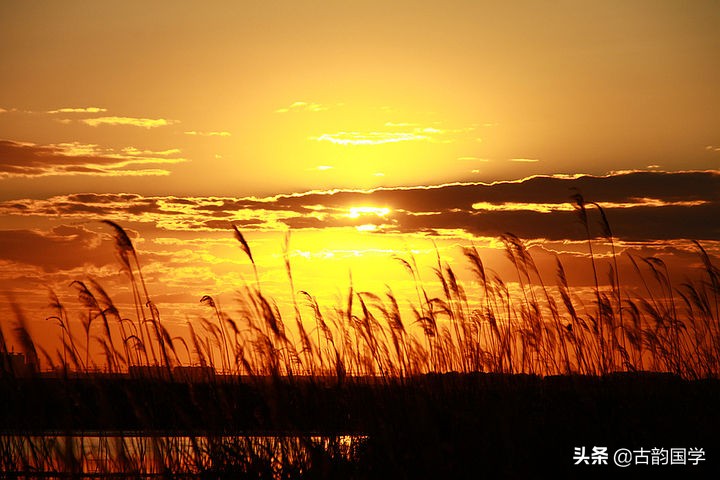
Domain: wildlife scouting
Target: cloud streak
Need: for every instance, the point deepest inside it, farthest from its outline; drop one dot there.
(129, 121)
(641, 207)
(193, 133)
(24, 159)
(78, 110)
(368, 138)
(303, 107)
(417, 133)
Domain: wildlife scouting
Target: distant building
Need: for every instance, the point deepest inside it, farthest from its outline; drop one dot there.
(17, 365)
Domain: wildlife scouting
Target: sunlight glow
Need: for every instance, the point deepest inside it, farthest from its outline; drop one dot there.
(355, 212)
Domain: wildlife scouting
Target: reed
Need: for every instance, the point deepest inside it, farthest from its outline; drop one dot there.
(520, 325)
(531, 328)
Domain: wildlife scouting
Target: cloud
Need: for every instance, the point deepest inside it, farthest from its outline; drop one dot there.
(303, 107)
(137, 152)
(368, 138)
(64, 247)
(433, 134)
(131, 121)
(401, 124)
(640, 206)
(24, 159)
(78, 110)
(165, 212)
(524, 160)
(570, 206)
(208, 134)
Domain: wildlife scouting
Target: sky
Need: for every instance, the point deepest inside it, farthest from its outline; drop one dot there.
(367, 130)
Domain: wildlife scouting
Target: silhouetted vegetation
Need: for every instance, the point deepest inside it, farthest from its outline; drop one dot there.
(474, 375)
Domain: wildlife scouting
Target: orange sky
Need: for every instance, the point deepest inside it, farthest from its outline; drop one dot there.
(202, 115)
(420, 92)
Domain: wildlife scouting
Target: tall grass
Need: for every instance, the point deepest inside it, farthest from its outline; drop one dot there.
(533, 322)
(527, 324)
(158, 456)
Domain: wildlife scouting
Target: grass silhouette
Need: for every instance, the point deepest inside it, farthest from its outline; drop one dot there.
(358, 369)
(530, 327)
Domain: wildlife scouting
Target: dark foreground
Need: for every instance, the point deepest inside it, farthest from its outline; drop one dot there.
(432, 426)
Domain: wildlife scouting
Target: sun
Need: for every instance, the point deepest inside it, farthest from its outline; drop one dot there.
(356, 212)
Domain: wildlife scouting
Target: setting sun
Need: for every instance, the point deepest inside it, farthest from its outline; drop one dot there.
(356, 212)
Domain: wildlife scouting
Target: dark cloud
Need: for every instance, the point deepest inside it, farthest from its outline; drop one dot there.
(62, 248)
(104, 198)
(629, 224)
(618, 188)
(305, 222)
(524, 224)
(640, 206)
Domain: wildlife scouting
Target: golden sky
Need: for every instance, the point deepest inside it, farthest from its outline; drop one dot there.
(369, 129)
(268, 97)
